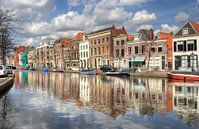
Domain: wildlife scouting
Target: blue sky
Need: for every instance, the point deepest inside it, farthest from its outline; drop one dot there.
(44, 20)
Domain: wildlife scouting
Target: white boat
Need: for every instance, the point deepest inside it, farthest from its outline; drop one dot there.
(75, 68)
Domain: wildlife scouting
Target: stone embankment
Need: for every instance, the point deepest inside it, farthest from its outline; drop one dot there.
(6, 83)
(156, 74)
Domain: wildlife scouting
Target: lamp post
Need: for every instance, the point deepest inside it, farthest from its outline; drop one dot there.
(192, 58)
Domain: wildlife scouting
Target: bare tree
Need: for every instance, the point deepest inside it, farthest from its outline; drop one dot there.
(6, 42)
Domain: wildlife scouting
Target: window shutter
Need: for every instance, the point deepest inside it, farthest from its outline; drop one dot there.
(184, 45)
(195, 44)
(174, 46)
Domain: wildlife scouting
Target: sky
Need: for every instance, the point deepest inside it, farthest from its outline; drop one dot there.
(44, 20)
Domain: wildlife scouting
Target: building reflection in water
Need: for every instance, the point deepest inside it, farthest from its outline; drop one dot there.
(186, 100)
(114, 96)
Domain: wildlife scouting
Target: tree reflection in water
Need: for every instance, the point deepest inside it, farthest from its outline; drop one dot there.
(4, 109)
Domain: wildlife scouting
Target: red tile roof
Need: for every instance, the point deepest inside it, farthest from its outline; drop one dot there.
(195, 26)
(130, 37)
(116, 32)
(79, 36)
(65, 41)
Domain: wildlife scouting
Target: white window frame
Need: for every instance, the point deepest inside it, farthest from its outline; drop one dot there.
(185, 31)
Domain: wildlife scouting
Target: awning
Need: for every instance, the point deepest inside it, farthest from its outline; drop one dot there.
(137, 59)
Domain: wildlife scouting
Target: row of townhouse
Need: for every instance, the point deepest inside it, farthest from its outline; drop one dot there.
(114, 46)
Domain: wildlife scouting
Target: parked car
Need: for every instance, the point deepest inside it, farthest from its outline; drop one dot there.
(9, 69)
(3, 70)
(106, 68)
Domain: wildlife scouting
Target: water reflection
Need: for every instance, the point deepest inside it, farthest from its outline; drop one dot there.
(128, 101)
(185, 102)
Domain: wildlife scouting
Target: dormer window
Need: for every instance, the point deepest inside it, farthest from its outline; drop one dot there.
(136, 37)
(185, 31)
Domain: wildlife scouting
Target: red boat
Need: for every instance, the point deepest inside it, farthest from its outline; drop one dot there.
(186, 76)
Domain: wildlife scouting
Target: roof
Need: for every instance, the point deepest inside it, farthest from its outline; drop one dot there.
(195, 26)
(65, 41)
(146, 34)
(116, 32)
(78, 36)
(130, 37)
(105, 29)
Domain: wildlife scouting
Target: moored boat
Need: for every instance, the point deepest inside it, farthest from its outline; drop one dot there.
(88, 72)
(186, 76)
(119, 74)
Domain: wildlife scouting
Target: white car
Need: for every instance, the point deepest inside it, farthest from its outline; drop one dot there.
(3, 70)
(9, 69)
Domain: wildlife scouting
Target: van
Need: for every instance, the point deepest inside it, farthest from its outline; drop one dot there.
(3, 71)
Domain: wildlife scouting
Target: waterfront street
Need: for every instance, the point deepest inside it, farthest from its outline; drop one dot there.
(53, 100)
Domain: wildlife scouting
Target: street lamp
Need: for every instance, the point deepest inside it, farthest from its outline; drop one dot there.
(192, 58)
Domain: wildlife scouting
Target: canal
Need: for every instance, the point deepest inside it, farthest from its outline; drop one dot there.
(40, 100)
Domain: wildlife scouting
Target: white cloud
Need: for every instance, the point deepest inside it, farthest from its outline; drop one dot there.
(131, 2)
(181, 16)
(29, 10)
(146, 26)
(143, 16)
(120, 3)
(169, 28)
(110, 16)
(33, 15)
(140, 19)
(72, 21)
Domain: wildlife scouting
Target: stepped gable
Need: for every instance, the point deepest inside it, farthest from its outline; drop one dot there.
(78, 36)
(115, 32)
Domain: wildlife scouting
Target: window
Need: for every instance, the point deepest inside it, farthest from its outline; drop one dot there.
(185, 31)
(102, 40)
(136, 50)
(117, 43)
(99, 51)
(185, 61)
(122, 52)
(95, 51)
(180, 46)
(117, 53)
(98, 40)
(122, 42)
(129, 50)
(107, 50)
(191, 45)
(143, 48)
(153, 49)
(107, 39)
(163, 62)
(94, 41)
(103, 50)
(159, 49)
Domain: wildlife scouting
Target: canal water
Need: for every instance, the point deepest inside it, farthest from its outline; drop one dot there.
(71, 101)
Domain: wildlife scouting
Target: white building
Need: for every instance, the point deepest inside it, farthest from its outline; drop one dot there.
(84, 53)
(186, 48)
